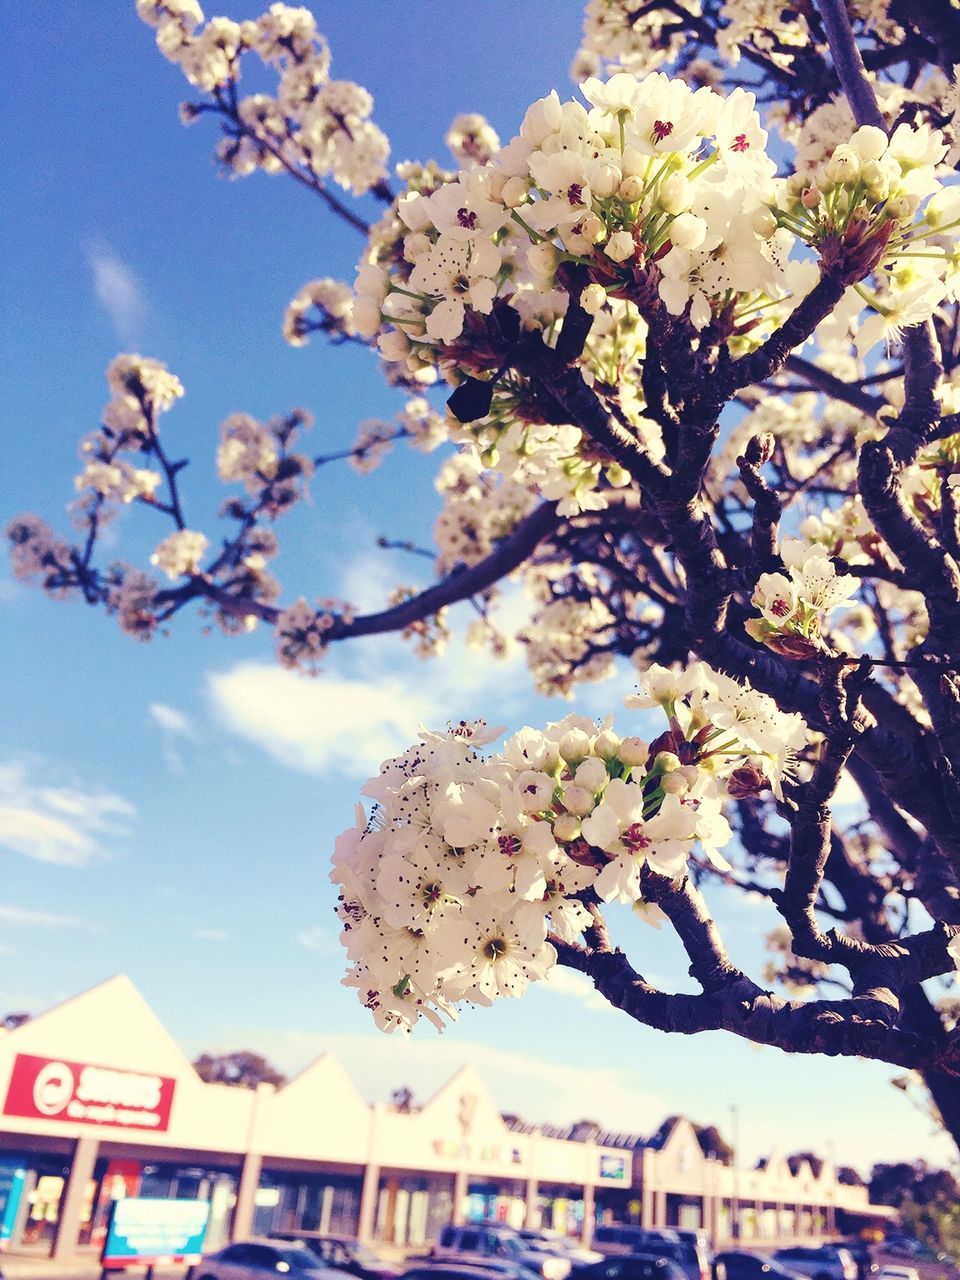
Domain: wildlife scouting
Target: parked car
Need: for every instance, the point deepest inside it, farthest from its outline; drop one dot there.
(898, 1273)
(691, 1255)
(738, 1264)
(563, 1246)
(619, 1237)
(483, 1240)
(344, 1253)
(492, 1270)
(632, 1266)
(696, 1252)
(827, 1262)
(859, 1250)
(257, 1259)
(902, 1246)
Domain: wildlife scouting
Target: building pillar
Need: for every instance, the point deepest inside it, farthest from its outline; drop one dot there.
(659, 1209)
(460, 1188)
(369, 1195)
(74, 1195)
(831, 1217)
(531, 1208)
(589, 1214)
(711, 1217)
(646, 1205)
(243, 1210)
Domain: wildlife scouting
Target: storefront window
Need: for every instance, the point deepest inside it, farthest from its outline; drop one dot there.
(324, 1202)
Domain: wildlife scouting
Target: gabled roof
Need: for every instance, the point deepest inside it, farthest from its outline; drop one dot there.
(93, 1017)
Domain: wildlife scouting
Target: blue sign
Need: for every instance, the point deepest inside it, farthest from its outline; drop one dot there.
(154, 1231)
(12, 1178)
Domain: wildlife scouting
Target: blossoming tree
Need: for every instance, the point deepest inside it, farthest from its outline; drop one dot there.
(702, 388)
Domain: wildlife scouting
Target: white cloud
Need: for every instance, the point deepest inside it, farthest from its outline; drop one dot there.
(118, 291)
(333, 722)
(210, 935)
(40, 919)
(57, 825)
(317, 938)
(569, 983)
(170, 719)
(173, 724)
(366, 704)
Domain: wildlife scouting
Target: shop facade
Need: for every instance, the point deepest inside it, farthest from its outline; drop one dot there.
(97, 1102)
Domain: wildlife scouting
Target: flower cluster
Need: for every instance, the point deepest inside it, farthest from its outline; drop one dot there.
(324, 306)
(180, 553)
(864, 202)
(259, 456)
(451, 889)
(142, 390)
(477, 510)
(313, 123)
(648, 195)
(418, 423)
(795, 606)
(301, 632)
(37, 555)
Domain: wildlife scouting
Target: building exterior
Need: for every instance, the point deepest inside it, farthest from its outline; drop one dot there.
(97, 1102)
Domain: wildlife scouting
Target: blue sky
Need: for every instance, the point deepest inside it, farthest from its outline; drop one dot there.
(178, 801)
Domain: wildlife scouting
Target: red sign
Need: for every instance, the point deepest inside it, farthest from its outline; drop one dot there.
(52, 1089)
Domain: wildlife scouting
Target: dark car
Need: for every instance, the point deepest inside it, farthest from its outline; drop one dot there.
(344, 1253)
(632, 1266)
(828, 1262)
(492, 1270)
(737, 1264)
(260, 1259)
(480, 1242)
(618, 1239)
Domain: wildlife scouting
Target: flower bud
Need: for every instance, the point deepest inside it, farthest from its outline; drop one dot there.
(675, 784)
(593, 229)
(604, 179)
(592, 774)
(566, 827)
(869, 142)
(901, 206)
(872, 176)
(810, 197)
(393, 345)
(415, 244)
(620, 246)
(634, 751)
(843, 166)
(796, 183)
(578, 800)
(688, 231)
(593, 299)
(666, 762)
(514, 193)
(676, 193)
(619, 477)
(542, 259)
(630, 189)
(607, 745)
(575, 746)
(764, 223)
(490, 456)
